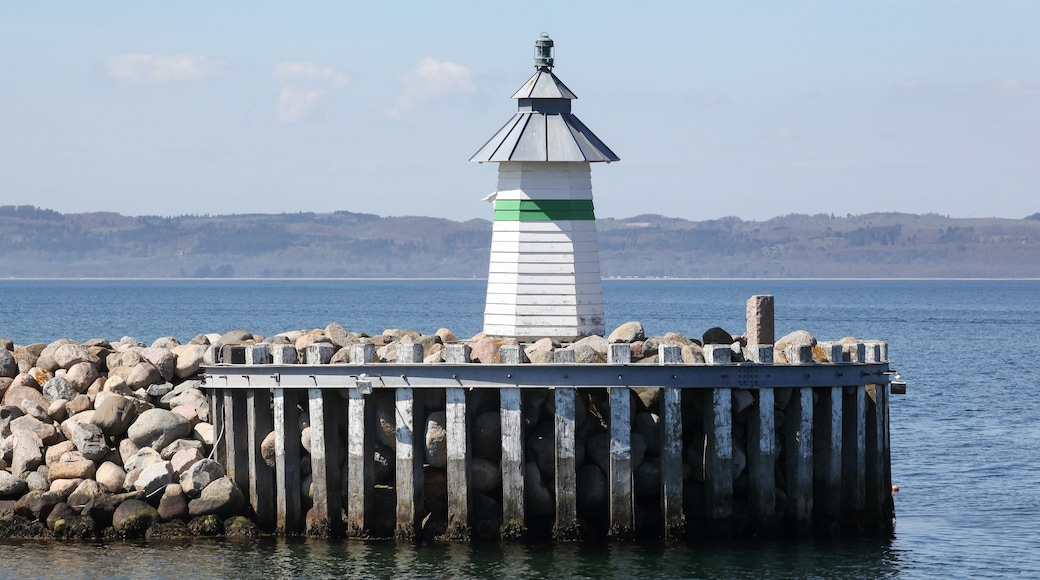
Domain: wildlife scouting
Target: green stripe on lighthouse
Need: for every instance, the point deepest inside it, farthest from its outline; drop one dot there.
(545, 210)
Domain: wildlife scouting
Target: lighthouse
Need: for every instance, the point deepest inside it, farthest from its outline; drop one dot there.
(544, 278)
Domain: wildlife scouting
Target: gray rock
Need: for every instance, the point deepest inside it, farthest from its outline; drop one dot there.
(56, 451)
(163, 360)
(8, 364)
(189, 359)
(167, 342)
(199, 476)
(77, 405)
(37, 481)
(114, 415)
(90, 441)
(159, 389)
(716, 335)
(110, 477)
(174, 504)
(542, 351)
(154, 478)
(172, 449)
(36, 505)
(11, 487)
(8, 413)
(222, 497)
(69, 354)
(27, 452)
(33, 409)
(591, 349)
(188, 397)
(648, 425)
(235, 337)
(184, 459)
(141, 458)
(46, 358)
(487, 436)
(58, 388)
(627, 332)
(339, 336)
(81, 375)
(85, 492)
(47, 432)
(436, 444)
(133, 517)
(267, 450)
(157, 428)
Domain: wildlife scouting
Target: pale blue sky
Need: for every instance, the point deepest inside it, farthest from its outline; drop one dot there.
(752, 109)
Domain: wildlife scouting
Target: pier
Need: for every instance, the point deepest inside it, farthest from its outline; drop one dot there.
(742, 444)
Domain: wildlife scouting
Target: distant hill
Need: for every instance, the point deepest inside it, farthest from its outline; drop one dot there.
(46, 244)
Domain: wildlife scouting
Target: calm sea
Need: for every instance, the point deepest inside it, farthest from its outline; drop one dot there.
(966, 436)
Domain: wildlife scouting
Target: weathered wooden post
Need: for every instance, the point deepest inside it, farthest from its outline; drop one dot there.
(359, 448)
(544, 277)
(799, 447)
(566, 526)
(513, 521)
(622, 498)
(827, 442)
(408, 451)
(671, 451)
(718, 455)
(458, 449)
(259, 422)
(854, 446)
(288, 514)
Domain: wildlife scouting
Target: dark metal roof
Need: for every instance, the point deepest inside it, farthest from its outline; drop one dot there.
(544, 129)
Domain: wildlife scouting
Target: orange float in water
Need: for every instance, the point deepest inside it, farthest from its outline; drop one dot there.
(895, 489)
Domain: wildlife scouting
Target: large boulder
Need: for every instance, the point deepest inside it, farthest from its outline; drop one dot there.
(189, 359)
(36, 505)
(199, 476)
(58, 388)
(46, 359)
(69, 354)
(89, 440)
(11, 486)
(82, 469)
(110, 477)
(221, 497)
(8, 364)
(47, 432)
(133, 517)
(627, 332)
(81, 375)
(157, 428)
(114, 415)
(17, 393)
(155, 477)
(163, 360)
(436, 444)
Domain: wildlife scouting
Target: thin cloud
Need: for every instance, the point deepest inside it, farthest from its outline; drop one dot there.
(305, 84)
(160, 68)
(1016, 88)
(308, 71)
(294, 103)
(432, 79)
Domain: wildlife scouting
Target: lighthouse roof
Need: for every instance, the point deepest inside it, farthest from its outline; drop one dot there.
(544, 85)
(544, 129)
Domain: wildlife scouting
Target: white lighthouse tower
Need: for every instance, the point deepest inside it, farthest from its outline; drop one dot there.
(544, 278)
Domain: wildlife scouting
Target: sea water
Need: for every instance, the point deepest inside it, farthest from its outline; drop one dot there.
(965, 437)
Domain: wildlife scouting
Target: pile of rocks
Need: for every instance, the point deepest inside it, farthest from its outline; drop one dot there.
(101, 439)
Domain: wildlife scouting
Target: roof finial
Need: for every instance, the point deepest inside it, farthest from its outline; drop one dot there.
(543, 52)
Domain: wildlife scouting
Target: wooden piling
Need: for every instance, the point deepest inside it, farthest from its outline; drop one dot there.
(718, 459)
(359, 449)
(875, 446)
(854, 447)
(513, 521)
(409, 478)
(622, 504)
(671, 451)
(827, 452)
(288, 516)
(458, 450)
(565, 528)
(799, 446)
(235, 438)
(325, 471)
(259, 422)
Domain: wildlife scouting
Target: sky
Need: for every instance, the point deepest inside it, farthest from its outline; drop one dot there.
(737, 108)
